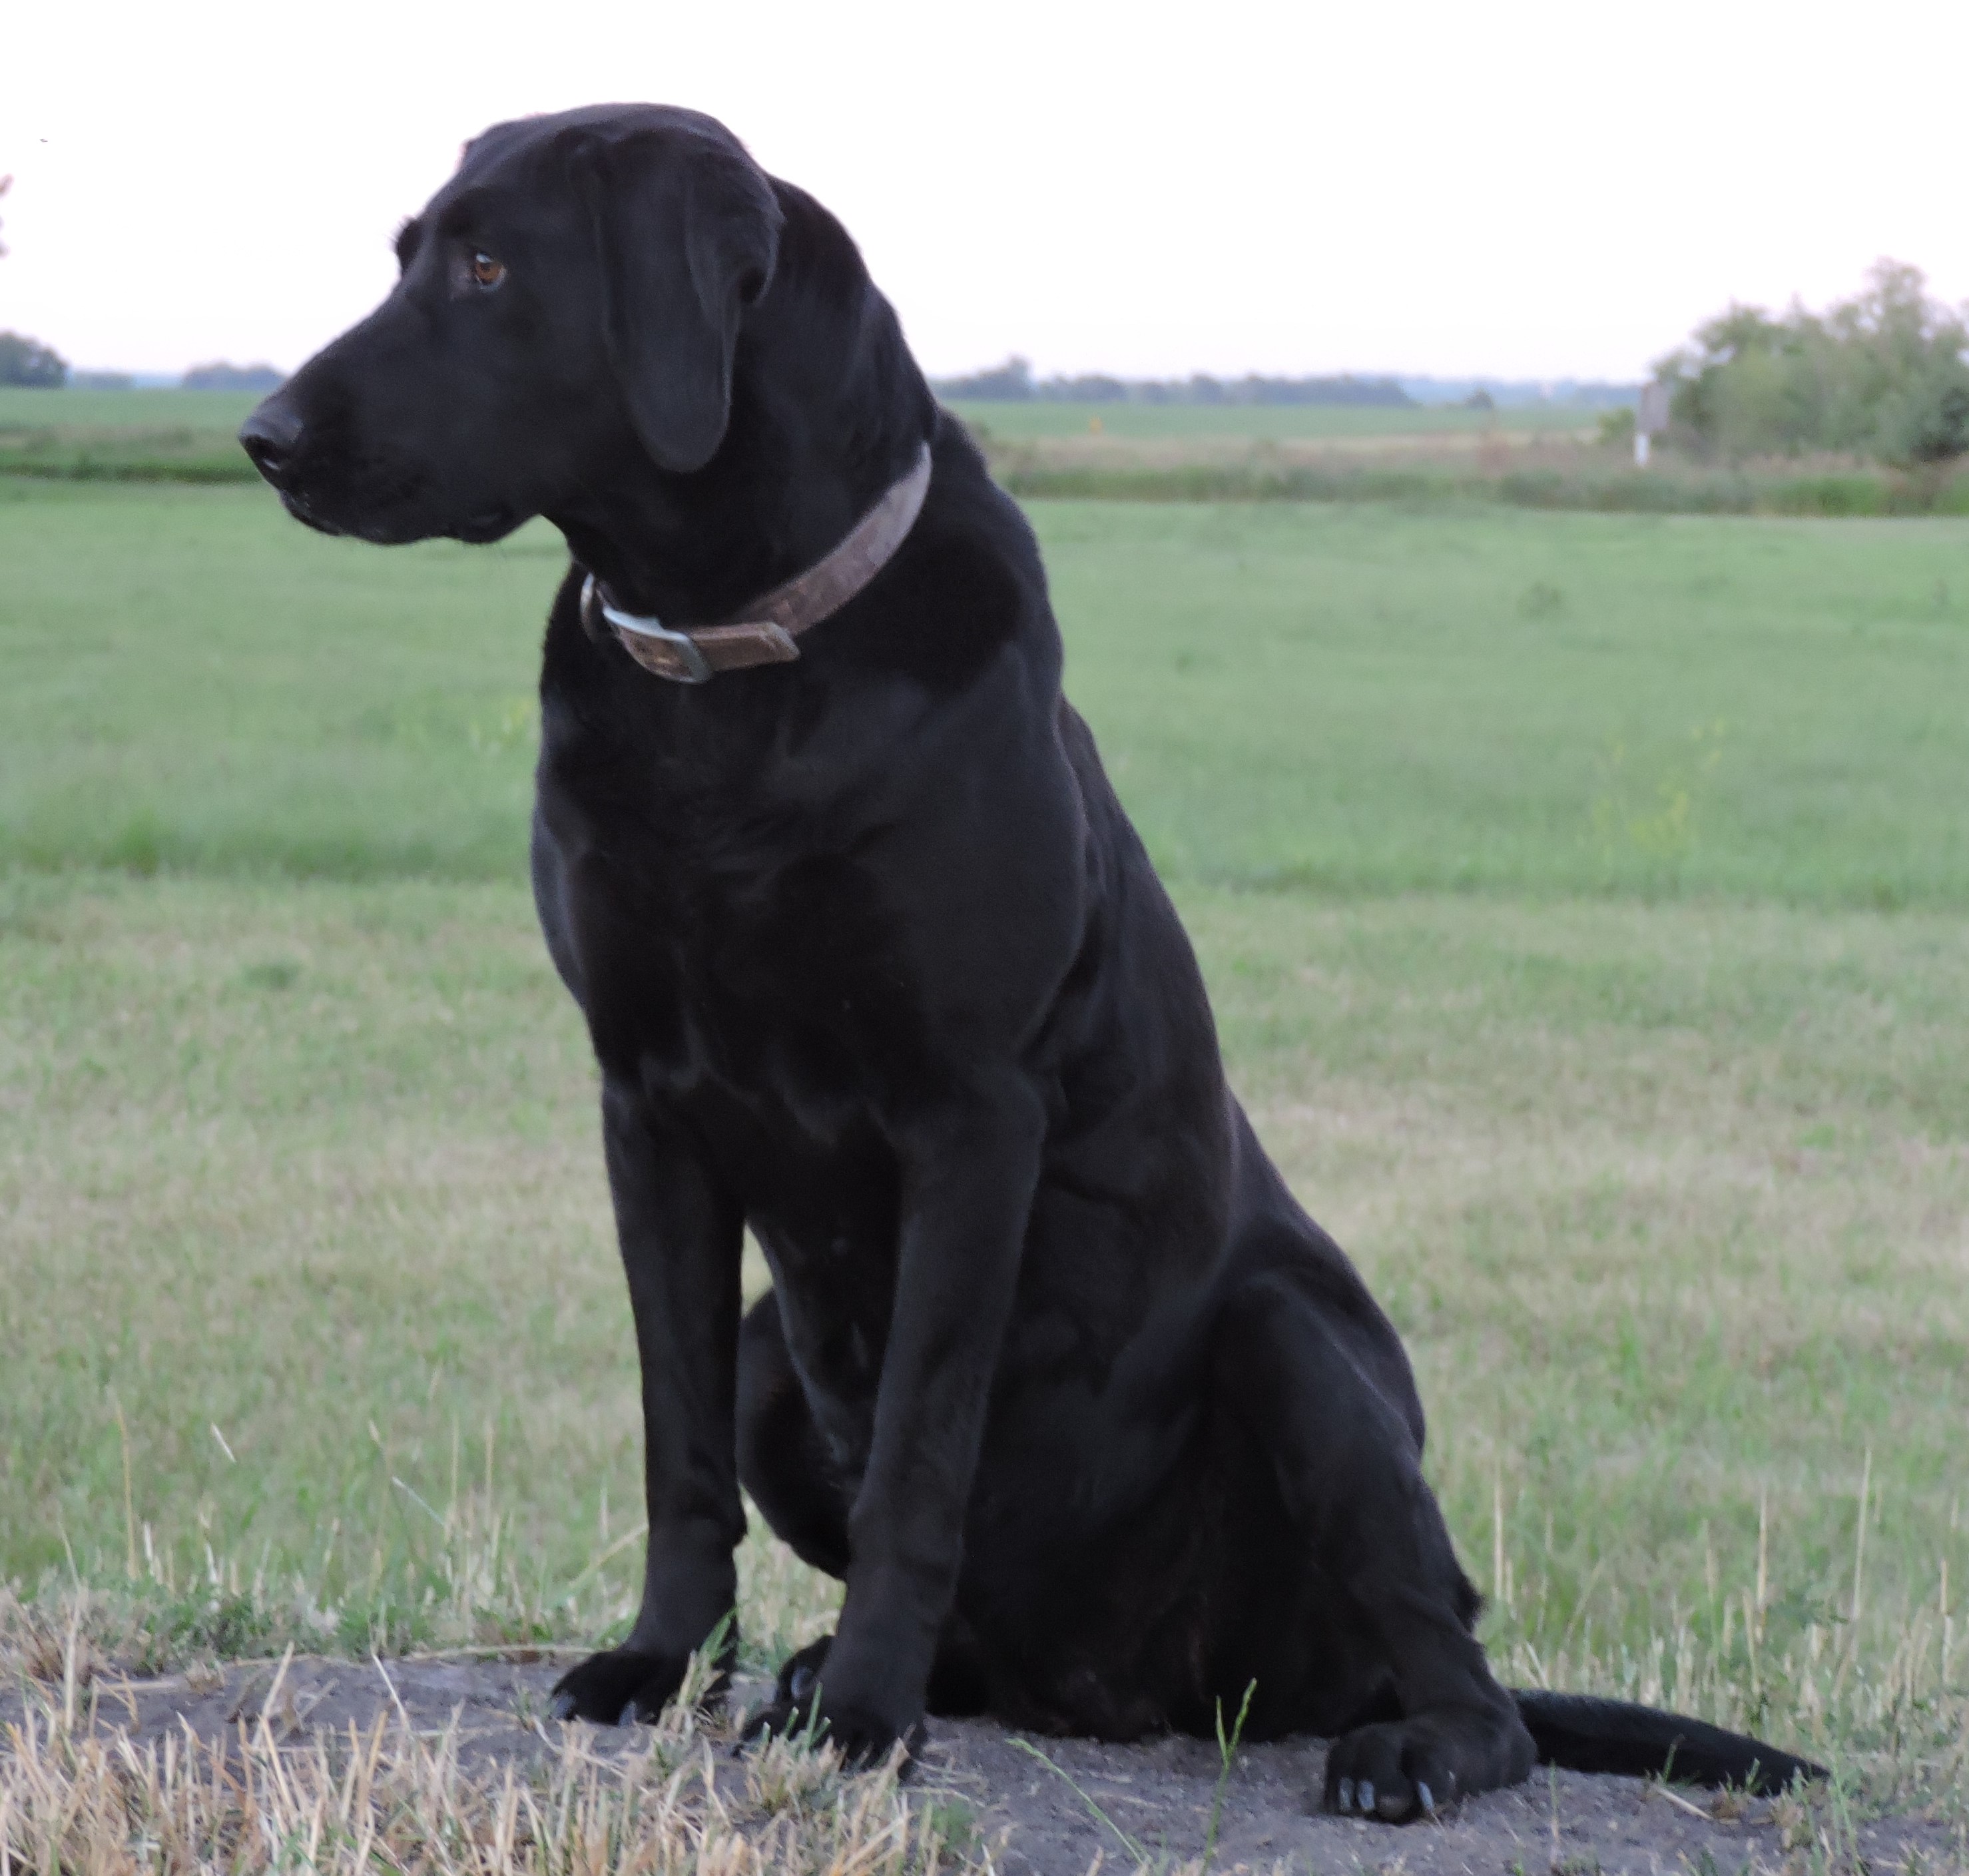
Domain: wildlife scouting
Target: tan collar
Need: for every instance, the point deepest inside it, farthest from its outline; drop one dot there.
(695, 654)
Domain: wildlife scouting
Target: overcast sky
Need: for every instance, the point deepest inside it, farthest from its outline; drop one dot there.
(1513, 189)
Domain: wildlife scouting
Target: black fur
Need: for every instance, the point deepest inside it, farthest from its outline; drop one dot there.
(1098, 1425)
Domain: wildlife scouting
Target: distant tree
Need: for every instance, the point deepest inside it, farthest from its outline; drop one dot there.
(1009, 383)
(1012, 381)
(1928, 423)
(1883, 374)
(223, 377)
(1344, 389)
(1617, 428)
(1480, 400)
(1094, 388)
(24, 361)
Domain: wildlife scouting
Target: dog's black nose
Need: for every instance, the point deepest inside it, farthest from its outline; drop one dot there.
(269, 436)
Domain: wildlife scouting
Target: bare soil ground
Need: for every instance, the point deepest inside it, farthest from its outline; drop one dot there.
(1051, 1807)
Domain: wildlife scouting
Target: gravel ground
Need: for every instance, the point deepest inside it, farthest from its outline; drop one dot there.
(1052, 1815)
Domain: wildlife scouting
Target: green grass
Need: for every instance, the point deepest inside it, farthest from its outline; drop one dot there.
(216, 412)
(1667, 1200)
(193, 680)
(139, 435)
(1332, 699)
(1367, 700)
(1624, 1051)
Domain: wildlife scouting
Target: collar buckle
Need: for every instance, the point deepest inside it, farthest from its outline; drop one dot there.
(696, 656)
(672, 654)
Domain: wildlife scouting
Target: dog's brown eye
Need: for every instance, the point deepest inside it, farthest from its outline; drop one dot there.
(486, 272)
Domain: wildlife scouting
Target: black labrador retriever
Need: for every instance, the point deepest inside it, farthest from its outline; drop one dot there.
(1099, 1427)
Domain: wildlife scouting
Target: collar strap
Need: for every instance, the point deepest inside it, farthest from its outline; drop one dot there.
(695, 654)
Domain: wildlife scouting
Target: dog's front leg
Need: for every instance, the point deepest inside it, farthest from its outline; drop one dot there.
(969, 1173)
(681, 1237)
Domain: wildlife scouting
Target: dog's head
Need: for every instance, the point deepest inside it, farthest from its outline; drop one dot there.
(574, 293)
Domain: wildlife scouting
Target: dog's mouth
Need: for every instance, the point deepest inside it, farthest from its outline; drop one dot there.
(489, 525)
(302, 510)
(385, 528)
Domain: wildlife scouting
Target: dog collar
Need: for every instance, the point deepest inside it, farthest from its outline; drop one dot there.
(765, 634)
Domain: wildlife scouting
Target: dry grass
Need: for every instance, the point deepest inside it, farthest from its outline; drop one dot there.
(1103, 450)
(1543, 468)
(73, 1800)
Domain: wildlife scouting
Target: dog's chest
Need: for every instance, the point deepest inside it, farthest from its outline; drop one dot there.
(781, 986)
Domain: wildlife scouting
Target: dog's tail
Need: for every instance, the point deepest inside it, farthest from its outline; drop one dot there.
(1579, 1734)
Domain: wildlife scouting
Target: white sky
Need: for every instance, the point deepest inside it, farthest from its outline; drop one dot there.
(1511, 188)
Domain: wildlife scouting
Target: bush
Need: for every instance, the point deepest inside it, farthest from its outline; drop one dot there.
(1617, 429)
(1927, 421)
(24, 361)
(1882, 375)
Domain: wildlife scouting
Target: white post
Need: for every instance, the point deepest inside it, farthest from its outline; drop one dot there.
(1650, 419)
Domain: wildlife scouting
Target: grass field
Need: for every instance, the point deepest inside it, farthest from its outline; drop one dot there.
(1537, 458)
(146, 435)
(1337, 700)
(213, 413)
(1583, 901)
(140, 435)
(1273, 423)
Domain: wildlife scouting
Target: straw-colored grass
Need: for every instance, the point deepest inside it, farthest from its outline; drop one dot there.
(75, 1798)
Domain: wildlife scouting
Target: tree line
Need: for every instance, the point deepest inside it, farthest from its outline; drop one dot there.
(1882, 375)
(1013, 382)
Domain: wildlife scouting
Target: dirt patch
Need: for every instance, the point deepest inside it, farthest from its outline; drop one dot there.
(1045, 1806)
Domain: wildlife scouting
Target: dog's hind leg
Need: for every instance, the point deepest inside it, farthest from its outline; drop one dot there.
(1348, 1466)
(783, 1461)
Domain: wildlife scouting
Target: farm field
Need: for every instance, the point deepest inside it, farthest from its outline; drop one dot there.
(187, 435)
(1583, 899)
(1540, 458)
(218, 412)
(1274, 422)
(163, 434)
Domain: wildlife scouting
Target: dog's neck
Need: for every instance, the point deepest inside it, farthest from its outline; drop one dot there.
(829, 410)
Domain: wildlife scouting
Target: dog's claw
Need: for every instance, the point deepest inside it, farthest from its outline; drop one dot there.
(1364, 1795)
(1346, 1794)
(1427, 1797)
(561, 1707)
(629, 1715)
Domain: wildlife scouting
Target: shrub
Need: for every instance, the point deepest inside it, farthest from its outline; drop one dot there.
(1882, 375)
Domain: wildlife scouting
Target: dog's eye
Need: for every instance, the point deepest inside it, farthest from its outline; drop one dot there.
(486, 272)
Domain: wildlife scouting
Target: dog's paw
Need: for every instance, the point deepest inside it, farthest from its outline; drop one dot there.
(799, 1672)
(1416, 1767)
(801, 1708)
(618, 1687)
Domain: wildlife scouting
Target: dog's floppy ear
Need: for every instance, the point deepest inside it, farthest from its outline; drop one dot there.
(686, 230)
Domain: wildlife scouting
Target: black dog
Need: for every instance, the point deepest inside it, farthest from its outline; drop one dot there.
(1099, 1427)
